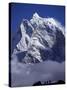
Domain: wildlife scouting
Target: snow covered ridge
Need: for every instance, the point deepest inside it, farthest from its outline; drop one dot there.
(42, 39)
(50, 22)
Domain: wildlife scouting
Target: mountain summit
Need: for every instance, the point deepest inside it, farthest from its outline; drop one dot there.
(41, 39)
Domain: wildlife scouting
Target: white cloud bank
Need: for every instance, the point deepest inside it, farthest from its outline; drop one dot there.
(27, 74)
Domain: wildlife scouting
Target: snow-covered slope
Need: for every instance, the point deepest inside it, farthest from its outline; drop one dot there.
(41, 39)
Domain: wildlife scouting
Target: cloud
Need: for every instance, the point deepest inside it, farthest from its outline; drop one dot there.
(27, 74)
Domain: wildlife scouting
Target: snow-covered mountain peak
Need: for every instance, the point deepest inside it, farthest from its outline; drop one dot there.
(40, 38)
(35, 15)
(50, 22)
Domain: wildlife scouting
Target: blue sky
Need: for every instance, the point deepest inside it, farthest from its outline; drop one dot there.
(20, 11)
